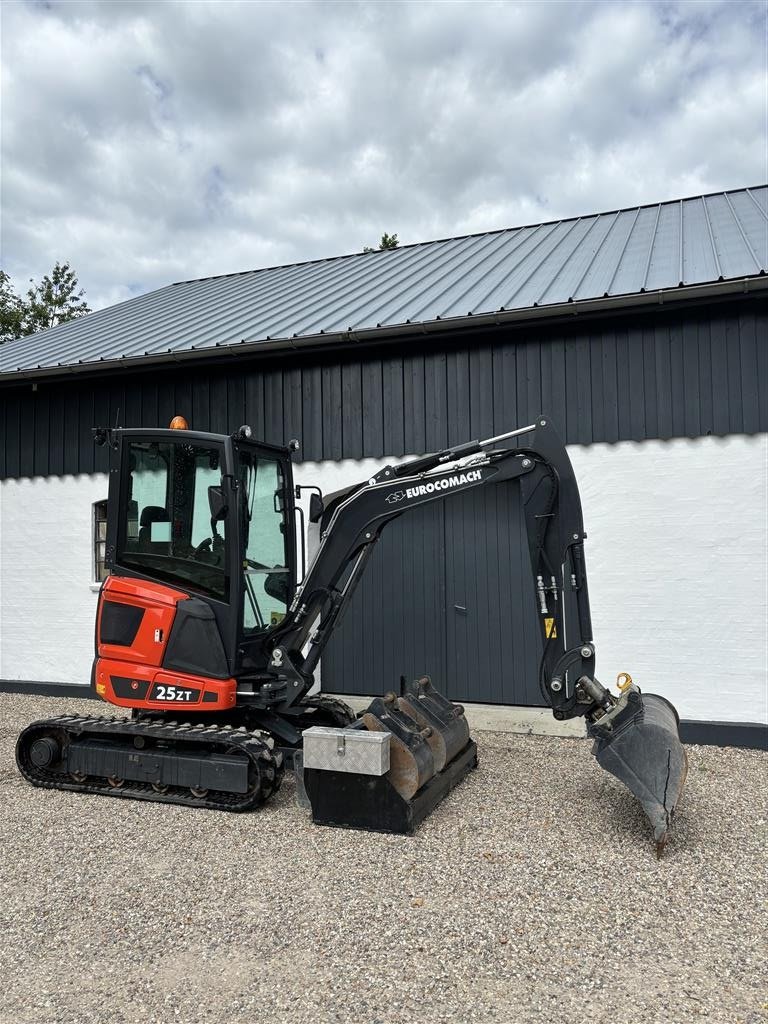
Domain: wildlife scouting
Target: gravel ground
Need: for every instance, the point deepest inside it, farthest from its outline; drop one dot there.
(531, 895)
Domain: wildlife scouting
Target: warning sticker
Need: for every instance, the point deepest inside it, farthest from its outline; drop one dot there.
(550, 629)
(275, 618)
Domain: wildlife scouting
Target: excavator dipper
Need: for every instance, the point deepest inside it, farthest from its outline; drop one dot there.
(205, 633)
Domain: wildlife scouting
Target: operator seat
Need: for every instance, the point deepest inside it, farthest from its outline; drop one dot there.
(153, 514)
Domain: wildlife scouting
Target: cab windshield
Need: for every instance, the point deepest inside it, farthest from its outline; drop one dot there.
(167, 532)
(265, 553)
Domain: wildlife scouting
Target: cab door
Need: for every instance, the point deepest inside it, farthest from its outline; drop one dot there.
(268, 545)
(160, 526)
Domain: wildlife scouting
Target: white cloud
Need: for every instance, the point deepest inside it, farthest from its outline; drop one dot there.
(148, 143)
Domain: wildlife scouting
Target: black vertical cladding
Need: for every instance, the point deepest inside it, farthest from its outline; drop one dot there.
(395, 623)
(333, 447)
(457, 369)
(27, 418)
(607, 393)
(719, 356)
(674, 373)
(372, 406)
(663, 384)
(596, 410)
(12, 439)
(706, 381)
(393, 413)
(42, 432)
(481, 391)
(414, 404)
(436, 402)
(220, 421)
(182, 398)
(101, 414)
(275, 427)
(131, 414)
(352, 411)
(636, 390)
(149, 411)
(71, 439)
(293, 410)
(201, 403)
(762, 372)
(691, 383)
(312, 413)
(167, 406)
(254, 403)
(749, 371)
(446, 592)
(584, 429)
(624, 384)
(677, 372)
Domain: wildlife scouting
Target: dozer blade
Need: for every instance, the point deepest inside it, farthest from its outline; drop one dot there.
(640, 745)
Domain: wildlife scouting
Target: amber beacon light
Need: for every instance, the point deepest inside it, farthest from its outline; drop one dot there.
(179, 423)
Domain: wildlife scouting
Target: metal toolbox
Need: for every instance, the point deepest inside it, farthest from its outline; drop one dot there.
(355, 751)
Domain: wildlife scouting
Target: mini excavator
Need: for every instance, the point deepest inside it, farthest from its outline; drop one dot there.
(205, 634)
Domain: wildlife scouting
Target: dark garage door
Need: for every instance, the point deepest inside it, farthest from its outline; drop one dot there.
(447, 592)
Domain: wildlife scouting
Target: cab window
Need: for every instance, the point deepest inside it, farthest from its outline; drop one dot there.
(265, 560)
(167, 533)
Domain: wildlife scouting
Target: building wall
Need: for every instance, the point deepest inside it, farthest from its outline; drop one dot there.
(689, 372)
(677, 556)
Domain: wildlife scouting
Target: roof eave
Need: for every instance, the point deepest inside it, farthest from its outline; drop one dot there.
(554, 312)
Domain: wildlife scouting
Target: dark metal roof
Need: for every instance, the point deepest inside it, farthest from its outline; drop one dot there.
(614, 258)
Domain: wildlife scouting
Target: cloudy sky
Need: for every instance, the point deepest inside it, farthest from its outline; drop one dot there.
(153, 142)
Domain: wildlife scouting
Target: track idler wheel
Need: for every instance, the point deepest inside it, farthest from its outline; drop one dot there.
(44, 752)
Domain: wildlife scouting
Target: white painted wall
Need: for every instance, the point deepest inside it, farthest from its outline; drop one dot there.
(47, 605)
(677, 557)
(677, 553)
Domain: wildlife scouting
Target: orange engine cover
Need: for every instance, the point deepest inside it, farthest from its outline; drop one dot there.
(133, 623)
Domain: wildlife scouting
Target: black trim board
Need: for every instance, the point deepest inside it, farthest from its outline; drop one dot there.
(726, 734)
(750, 735)
(82, 691)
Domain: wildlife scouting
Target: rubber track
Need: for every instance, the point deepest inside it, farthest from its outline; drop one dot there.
(227, 740)
(342, 713)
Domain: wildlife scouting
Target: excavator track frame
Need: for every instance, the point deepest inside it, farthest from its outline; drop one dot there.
(75, 732)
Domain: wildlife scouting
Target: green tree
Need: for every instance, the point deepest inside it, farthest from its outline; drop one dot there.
(11, 310)
(53, 301)
(387, 242)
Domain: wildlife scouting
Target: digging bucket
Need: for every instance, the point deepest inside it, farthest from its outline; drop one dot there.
(641, 747)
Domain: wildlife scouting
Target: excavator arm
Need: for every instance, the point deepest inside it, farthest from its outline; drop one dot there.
(354, 520)
(636, 735)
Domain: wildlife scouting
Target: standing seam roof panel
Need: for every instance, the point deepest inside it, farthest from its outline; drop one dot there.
(358, 313)
(700, 239)
(418, 288)
(732, 251)
(561, 287)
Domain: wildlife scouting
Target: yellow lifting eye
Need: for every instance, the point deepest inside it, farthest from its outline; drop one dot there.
(623, 681)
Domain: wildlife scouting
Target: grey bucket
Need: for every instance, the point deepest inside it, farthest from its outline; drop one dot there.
(643, 750)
